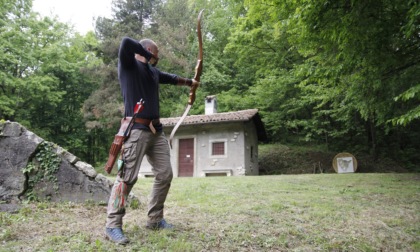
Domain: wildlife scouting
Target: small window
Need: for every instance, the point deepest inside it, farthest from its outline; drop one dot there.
(218, 149)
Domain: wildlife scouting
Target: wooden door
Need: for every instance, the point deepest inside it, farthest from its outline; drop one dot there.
(186, 157)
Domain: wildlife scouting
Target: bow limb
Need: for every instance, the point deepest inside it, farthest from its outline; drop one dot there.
(197, 77)
(199, 65)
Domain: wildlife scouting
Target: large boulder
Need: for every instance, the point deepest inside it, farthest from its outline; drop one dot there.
(63, 178)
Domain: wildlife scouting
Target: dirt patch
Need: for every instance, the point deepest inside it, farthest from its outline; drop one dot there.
(10, 208)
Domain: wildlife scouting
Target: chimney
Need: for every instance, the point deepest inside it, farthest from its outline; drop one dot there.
(210, 105)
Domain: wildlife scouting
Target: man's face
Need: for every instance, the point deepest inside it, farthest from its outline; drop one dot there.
(155, 51)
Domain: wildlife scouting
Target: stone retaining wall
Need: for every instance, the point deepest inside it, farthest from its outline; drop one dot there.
(74, 180)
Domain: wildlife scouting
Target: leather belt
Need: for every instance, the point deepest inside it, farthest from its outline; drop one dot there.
(149, 123)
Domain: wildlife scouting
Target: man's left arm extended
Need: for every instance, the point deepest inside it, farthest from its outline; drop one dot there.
(167, 78)
(184, 82)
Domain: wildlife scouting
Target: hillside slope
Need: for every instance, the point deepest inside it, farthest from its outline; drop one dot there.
(282, 159)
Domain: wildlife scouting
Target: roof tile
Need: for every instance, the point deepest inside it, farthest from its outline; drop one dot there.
(243, 115)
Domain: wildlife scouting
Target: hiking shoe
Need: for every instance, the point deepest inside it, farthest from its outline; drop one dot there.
(159, 225)
(116, 235)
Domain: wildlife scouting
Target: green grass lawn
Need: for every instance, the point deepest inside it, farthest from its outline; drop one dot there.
(323, 212)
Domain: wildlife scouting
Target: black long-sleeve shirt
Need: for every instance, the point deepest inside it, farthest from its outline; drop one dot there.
(140, 80)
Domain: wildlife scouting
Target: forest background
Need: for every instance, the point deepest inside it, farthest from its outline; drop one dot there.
(339, 75)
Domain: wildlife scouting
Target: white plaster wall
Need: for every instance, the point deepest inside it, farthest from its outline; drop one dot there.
(239, 137)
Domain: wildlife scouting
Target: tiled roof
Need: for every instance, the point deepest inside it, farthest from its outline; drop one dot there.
(243, 115)
(237, 116)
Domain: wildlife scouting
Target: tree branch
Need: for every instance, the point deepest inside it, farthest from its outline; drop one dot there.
(399, 69)
(267, 48)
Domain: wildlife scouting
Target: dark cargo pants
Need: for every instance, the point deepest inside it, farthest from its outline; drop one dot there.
(156, 149)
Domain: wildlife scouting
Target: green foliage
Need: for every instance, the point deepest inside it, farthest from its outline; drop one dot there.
(28, 78)
(42, 168)
(335, 73)
(342, 74)
(46, 74)
(412, 95)
(357, 55)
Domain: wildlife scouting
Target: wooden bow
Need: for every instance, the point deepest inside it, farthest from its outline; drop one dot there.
(197, 76)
